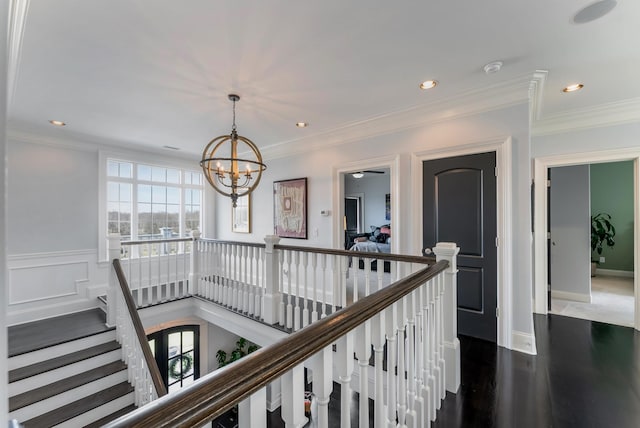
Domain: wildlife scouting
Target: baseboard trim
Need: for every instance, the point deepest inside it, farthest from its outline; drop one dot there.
(566, 295)
(523, 342)
(612, 272)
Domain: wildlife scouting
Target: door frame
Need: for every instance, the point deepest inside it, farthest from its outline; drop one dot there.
(540, 265)
(360, 198)
(502, 148)
(338, 171)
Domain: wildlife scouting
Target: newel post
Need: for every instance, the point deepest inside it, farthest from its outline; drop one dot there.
(194, 263)
(448, 251)
(114, 249)
(272, 295)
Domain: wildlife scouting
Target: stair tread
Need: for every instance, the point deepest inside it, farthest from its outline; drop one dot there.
(112, 417)
(61, 361)
(42, 393)
(41, 334)
(79, 407)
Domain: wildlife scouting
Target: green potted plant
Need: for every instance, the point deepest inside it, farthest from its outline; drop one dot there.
(602, 233)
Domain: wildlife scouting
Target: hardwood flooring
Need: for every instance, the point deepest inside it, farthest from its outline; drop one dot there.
(586, 374)
(41, 334)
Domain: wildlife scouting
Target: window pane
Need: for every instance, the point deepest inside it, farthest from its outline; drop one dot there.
(159, 194)
(187, 363)
(187, 341)
(113, 191)
(125, 192)
(175, 345)
(144, 193)
(175, 368)
(125, 169)
(112, 227)
(159, 174)
(144, 172)
(173, 176)
(152, 345)
(173, 195)
(112, 168)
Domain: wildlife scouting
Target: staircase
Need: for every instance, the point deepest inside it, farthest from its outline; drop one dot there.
(67, 371)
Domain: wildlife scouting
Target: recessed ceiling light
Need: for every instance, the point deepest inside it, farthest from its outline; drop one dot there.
(492, 67)
(573, 87)
(594, 11)
(428, 84)
(302, 124)
(57, 123)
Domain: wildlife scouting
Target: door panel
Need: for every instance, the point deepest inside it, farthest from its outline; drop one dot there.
(460, 206)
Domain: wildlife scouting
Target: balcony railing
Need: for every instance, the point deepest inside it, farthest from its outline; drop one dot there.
(407, 317)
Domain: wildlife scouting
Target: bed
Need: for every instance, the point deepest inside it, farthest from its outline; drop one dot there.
(379, 241)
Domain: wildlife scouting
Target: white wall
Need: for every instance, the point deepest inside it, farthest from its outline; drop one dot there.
(374, 187)
(317, 166)
(570, 233)
(54, 266)
(4, 292)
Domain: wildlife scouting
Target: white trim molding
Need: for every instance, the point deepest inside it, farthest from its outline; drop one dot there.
(502, 147)
(337, 172)
(541, 165)
(524, 342)
(616, 273)
(567, 295)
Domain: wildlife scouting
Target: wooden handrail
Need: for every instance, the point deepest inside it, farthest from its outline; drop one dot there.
(246, 244)
(156, 241)
(215, 393)
(347, 253)
(154, 371)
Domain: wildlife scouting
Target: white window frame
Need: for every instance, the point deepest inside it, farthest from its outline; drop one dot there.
(145, 159)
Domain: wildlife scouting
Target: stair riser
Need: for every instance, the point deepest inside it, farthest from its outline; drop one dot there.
(59, 350)
(51, 376)
(67, 397)
(99, 412)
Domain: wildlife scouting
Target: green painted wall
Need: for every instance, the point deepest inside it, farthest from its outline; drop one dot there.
(612, 192)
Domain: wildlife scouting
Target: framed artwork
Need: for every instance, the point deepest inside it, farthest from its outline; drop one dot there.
(241, 215)
(290, 208)
(387, 206)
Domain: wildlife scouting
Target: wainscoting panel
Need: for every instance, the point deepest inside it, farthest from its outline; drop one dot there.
(43, 285)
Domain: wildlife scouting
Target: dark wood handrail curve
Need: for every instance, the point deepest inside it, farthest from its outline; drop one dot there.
(347, 253)
(245, 244)
(154, 371)
(217, 392)
(156, 241)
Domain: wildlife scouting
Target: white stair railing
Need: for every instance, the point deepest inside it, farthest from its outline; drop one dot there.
(414, 318)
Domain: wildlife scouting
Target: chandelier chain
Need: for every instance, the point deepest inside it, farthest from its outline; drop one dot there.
(233, 128)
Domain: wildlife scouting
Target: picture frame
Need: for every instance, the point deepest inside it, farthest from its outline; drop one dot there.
(290, 208)
(241, 215)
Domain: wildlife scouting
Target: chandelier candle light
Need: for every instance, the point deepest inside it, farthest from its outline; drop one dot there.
(224, 172)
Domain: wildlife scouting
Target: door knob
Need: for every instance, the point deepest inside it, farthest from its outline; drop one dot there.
(427, 252)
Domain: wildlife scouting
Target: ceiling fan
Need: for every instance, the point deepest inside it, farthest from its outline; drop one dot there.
(360, 174)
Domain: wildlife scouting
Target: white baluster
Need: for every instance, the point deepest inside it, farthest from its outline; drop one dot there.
(296, 312)
(344, 265)
(252, 411)
(323, 265)
(412, 420)
(354, 278)
(363, 353)
(344, 365)
(292, 408)
(391, 314)
(289, 317)
(314, 308)
(305, 286)
(378, 336)
(380, 274)
(322, 366)
(402, 382)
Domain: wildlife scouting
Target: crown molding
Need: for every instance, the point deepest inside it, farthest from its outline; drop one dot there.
(536, 93)
(469, 103)
(608, 114)
(17, 23)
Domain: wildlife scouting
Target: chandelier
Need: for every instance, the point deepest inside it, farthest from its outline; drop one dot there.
(229, 174)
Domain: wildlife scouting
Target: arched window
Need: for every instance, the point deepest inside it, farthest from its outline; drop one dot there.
(177, 352)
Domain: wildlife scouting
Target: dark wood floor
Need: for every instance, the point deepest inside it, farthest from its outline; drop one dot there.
(41, 334)
(586, 374)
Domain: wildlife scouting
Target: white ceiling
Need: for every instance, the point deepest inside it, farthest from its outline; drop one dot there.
(157, 72)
